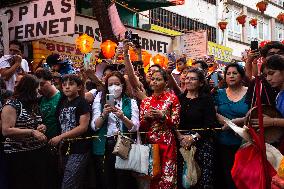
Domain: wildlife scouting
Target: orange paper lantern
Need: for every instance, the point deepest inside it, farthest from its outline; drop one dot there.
(261, 6)
(161, 60)
(280, 17)
(85, 43)
(222, 25)
(253, 22)
(132, 54)
(146, 57)
(108, 48)
(241, 19)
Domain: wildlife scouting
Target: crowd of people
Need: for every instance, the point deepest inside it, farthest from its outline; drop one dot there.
(58, 131)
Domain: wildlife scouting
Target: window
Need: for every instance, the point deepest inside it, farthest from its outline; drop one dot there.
(234, 29)
(262, 30)
(279, 31)
(211, 1)
(177, 22)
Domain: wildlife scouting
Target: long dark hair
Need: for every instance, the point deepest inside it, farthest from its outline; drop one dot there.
(26, 91)
(204, 89)
(105, 91)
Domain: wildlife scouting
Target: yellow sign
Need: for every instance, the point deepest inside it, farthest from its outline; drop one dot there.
(164, 30)
(221, 53)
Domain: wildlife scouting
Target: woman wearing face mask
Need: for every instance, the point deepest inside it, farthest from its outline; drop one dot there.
(230, 103)
(107, 121)
(159, 118)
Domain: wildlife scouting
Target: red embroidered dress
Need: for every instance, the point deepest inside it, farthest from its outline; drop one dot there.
(161, 131)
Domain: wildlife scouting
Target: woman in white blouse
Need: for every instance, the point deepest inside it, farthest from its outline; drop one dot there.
(107, 121)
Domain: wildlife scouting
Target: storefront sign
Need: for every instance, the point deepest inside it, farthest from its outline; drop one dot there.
(44, 48)
(195, 44)
(4, 35)
(152, 42)
(40, 19)
(221, 53)
(164, 30)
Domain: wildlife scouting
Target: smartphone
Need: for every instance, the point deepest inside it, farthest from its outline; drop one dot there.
(214, 77)
(135, 39)
(110, 99)
(128, 35)
(254, 45)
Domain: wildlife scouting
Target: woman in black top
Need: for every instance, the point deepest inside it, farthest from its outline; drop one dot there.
(24, 145)
(197, 118)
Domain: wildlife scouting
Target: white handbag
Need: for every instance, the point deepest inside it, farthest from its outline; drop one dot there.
(138, 158)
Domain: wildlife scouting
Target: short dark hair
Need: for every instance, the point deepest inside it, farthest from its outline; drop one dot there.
(73, 77)
(110, 67)
(156, 65)
(183, 60)
(203, 64)
(163, 73)
(275, 62)
(44, 74)
(18, 43)
(271, 45)
(240, 69)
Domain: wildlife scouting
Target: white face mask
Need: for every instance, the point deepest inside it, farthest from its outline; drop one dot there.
(116, 90)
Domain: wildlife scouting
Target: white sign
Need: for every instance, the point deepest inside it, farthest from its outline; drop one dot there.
(40, 19)
(152, 42)
(4, 35)
(195, 44)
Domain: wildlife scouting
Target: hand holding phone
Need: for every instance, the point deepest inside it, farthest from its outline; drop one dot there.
(254, 45)
(214, 77)
(110, 99)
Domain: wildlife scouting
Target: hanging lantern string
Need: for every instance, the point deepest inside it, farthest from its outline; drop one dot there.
(155, 20)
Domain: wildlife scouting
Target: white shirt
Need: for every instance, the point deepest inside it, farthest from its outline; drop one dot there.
(112, 128)
(10, 84)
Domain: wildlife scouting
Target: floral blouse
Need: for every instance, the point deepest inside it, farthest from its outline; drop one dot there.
(160, 129)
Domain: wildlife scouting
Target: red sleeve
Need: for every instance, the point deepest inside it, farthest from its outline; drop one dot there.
(173, 115)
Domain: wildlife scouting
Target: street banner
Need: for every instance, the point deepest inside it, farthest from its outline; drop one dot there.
(4, 35)
(117, 26)
(40, 19)
(195, 44)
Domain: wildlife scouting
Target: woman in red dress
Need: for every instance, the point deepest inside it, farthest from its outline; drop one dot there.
(159, 116)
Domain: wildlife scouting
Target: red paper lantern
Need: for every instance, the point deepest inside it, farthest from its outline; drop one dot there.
(263, 43)
(241, 19)
(261, 6)
(280, 17)
(222, 25)
(108, 48)
(253, 22)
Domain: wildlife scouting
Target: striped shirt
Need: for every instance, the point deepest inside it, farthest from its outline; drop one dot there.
(25, 120)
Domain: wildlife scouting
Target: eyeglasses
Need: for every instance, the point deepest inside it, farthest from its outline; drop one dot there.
(192, 78)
